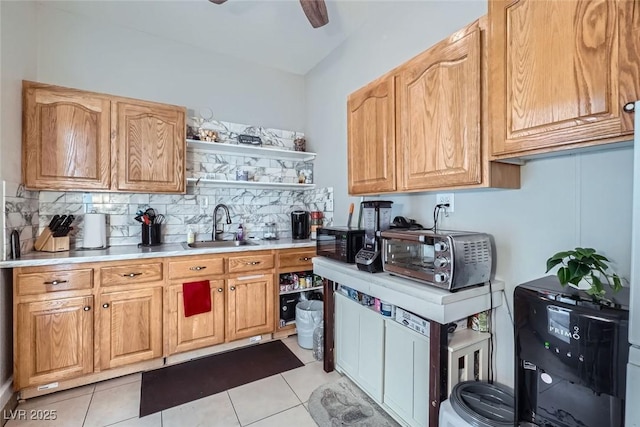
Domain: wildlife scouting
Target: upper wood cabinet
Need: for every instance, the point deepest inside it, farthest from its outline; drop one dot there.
(77, 140)
(66, 138)
(425, 127)
(150, 147)
(561, 71)
(439, 97)
(371, 141)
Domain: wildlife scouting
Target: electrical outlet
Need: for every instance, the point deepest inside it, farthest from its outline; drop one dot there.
(445, 198)
(204, 202)
(257, 338)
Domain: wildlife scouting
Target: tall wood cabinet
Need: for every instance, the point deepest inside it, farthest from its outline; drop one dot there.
(372, 137)
(424, 126)
(78, 140)
(439, 99)
(561, 72)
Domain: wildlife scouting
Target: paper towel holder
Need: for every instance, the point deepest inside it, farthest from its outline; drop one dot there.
(94, 231)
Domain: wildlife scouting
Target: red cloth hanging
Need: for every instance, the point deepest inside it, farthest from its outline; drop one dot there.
(196, 297)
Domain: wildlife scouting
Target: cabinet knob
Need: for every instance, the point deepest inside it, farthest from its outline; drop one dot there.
(220, 289)
(132, 274)
(87, 308)
(105, 305)
(233, 288)
(304, 258)
(55, 282)
(629, 107)
(197, 268)
(253, 262)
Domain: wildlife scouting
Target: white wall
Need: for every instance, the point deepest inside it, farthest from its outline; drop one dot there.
(18, 61)
(564, 201)
(86, 53)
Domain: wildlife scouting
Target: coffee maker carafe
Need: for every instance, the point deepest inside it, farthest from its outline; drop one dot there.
(376, 215)
(300, 225)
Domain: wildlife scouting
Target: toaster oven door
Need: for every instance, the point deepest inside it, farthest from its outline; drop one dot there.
(410, 259)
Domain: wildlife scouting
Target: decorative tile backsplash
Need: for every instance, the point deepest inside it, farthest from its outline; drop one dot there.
(251, 208)
(21, 213)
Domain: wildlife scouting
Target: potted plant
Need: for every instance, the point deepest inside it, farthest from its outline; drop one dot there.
(587, 266)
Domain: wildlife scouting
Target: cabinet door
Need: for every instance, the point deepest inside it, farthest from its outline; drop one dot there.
(406, 374)
(250, 306)
(150, 147)
(555, 72)
(439, 127)
(371, 142)
(54, 340)
(130, 327)
(66, 139)
(360, 344)
(197, 331)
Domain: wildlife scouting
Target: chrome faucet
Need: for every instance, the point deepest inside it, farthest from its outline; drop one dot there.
(214, 234)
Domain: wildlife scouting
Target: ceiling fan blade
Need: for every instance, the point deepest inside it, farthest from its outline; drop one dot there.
(316, 11)
(217, 1)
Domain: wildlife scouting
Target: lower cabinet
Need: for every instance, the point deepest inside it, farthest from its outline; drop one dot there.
(360, 344)
(197, 331)
(130, 328)
(250, 307)
(387, 360)
(406, 373)
(54, 340)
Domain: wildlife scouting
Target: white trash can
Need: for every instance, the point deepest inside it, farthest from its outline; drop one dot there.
(308, 316)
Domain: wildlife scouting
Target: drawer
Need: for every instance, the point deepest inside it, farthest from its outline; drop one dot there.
(248, 263)
(196, 267)
(130, 274)
(53, 281)
(296, 259)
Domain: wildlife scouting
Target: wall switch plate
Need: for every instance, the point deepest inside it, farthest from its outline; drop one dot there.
(257, 338)
(204, 202)
(446, 198)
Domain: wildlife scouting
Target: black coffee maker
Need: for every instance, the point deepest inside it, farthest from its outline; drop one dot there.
(300, 225)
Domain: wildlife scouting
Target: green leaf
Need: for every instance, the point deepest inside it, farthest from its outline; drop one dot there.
(617, 285)
(600, 257)
(585, 251)
(552, 263)
(597, 284)
(561, 255)
(563, 275)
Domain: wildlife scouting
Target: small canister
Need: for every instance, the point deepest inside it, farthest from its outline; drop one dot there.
(316, 222)
(387, 309)
(270, 231)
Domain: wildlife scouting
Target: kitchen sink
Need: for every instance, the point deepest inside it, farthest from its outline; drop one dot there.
(217, 244)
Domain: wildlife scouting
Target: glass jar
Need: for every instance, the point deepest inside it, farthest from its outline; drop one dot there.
(270, 231)
(316, 222)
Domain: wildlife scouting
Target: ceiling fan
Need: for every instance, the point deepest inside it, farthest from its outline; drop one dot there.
(316, 11)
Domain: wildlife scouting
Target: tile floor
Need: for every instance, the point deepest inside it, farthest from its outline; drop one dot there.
(275, 401)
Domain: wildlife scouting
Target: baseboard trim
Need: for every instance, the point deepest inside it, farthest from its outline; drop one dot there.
(8, 400)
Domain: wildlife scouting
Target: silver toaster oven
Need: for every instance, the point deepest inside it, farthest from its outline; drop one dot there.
(447, 259)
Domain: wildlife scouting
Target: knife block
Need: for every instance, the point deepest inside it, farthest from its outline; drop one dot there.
(47, 243)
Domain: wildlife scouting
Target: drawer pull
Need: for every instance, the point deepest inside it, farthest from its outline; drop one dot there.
(197, 268)
(56, 282)
(233, 288)
(220, 289)
(304, 258)
(253, 262)
(87, 308)
(105, 305)
(131, 275)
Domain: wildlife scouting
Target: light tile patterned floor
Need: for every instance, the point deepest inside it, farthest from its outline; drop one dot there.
(279, 400)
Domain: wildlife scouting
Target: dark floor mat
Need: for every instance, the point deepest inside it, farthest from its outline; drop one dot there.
(174, 385)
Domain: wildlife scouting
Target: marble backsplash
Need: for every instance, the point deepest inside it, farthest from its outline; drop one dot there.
(20, 213)
(251, 208)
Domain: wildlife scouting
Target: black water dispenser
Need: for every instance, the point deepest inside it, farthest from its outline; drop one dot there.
(571, 355)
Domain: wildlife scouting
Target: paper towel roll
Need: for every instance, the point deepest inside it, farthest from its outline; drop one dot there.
(95, 231)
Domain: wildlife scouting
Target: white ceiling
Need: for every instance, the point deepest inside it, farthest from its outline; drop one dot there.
(275, 33)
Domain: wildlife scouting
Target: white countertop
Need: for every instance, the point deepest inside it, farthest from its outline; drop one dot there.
(422, 299)
(127, 252)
